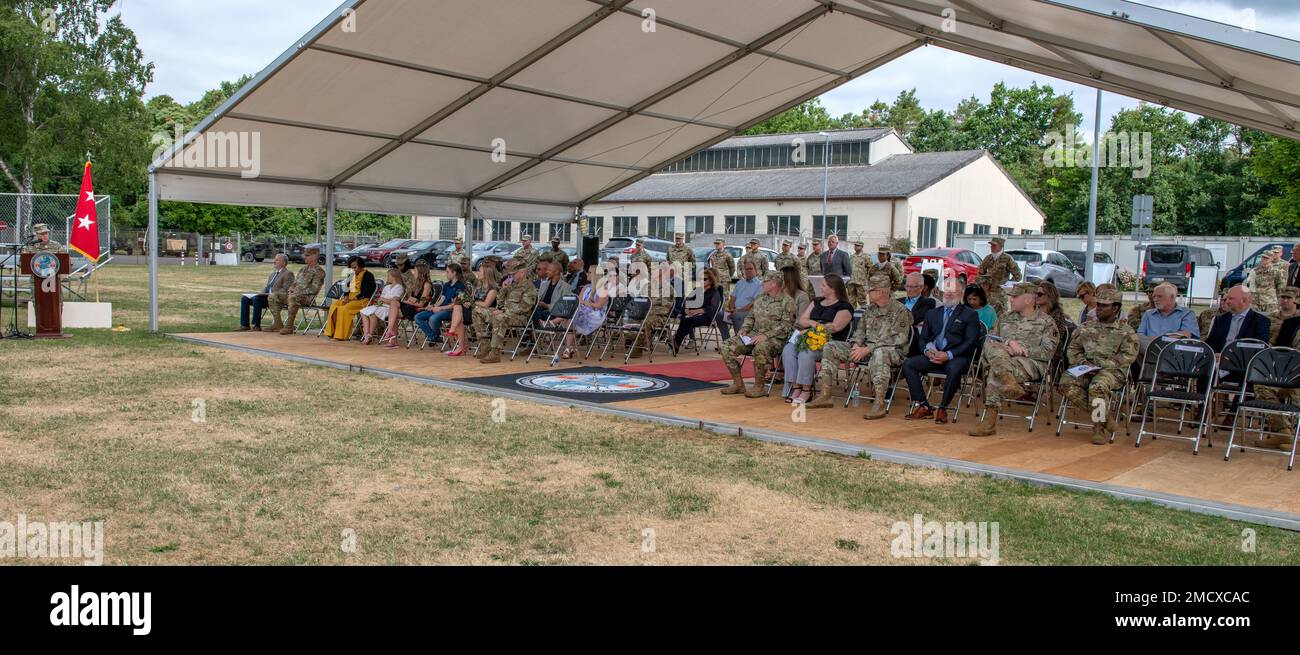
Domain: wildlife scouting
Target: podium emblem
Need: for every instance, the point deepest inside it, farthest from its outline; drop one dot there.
(45, 265)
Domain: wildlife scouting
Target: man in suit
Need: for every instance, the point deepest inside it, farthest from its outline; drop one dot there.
(949, 338)
(1239, 322)
(835, 261)
(919, 303)
(278, 285)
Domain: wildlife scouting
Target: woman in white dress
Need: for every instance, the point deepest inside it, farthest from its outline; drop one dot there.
(387, 306)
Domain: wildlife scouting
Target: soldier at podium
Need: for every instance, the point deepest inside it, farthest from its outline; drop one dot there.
(43, 242)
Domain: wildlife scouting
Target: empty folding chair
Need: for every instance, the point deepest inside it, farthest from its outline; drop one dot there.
(634, 313)
(1229, 385)
(1178, 367)
(1277, 368)
(318, 311)
(523, 331)
(564, 309)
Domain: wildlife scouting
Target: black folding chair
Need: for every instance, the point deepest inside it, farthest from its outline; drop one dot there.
(632, 321)
(614, 311)
(1229, 385)
(1279, 368)
(563, 310)
(318, 311)
(1039, 387)
(859, 371)
(1178, 367)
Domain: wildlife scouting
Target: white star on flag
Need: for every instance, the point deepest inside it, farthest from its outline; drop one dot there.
(84, 222)
(90, 195)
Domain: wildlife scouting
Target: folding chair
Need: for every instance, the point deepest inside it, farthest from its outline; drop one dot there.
(1138, 385)
(632, 319)
(1229, 386)
(1038, 387)
(1275, 367)
(614, 311)
(564, 309)
(523, 330)
(859, 371)
(971, 382)
(319, 311)
(1178, 367)
(1116, 403)
(702, 336)
(374, 298)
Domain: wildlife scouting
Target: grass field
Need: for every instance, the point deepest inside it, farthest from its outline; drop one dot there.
(289, 457)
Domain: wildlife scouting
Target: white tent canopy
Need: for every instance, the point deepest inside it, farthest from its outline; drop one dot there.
(532, 110)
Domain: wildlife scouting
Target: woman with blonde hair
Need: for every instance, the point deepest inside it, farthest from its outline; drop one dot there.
(385, 310)
(488, 282)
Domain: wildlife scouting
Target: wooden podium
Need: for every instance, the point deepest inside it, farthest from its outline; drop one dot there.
(47, 290)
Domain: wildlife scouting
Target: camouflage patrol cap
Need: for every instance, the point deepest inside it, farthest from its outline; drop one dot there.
(40, 228)
(787, 242)
(884, 247)
(998, 240)
(803, 246)
(311, 251)
(1022, 288)
(1277, 250)
(525, 237)
(879, 281)
(754, 242)
(1290, 292)
(773, 276)
(679, 235)
(1111, 296)
(719, 242)
(458, 241)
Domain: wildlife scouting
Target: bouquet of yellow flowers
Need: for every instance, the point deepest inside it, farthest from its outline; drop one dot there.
(813, 338)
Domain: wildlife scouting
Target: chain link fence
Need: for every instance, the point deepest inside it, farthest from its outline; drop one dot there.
(20, 211)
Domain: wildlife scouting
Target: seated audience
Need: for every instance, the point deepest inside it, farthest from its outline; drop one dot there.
(343, 311)
(303, 291)
(277, 287)
(743, 293)
(695, 317)
(976, 300)
(883, 331)
(431, 317)
(1108, 344)
(514, 308)
(419, 293)
(1286, 309)
(1049, 302)
(767, 325)
(834, 313)
(1016, 351)
(949, 337)
(551, 288)
(485, 297)
(1239, 322)
(593, 303)
(1166, 318)
(386, 308)
(1087, 294)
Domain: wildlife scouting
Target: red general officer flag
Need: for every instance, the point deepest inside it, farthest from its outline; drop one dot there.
(84, 234)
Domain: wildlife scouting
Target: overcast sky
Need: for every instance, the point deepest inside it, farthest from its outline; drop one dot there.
(178, 36)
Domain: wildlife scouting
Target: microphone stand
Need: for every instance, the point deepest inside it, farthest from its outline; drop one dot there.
(14, 332)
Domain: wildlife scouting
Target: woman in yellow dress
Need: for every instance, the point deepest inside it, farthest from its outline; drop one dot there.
(343, 312)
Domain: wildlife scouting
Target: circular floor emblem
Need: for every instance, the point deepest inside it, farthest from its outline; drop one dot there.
(591, 383)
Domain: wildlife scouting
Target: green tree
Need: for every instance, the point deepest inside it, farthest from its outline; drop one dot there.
(1277, 163)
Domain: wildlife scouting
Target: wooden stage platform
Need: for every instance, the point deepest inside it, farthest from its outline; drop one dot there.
(1253, 487)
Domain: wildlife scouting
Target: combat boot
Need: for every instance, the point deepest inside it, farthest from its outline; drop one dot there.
(1014, 390)
(1100, 435)
(760, 383)
(276, 325)
(877, 407)
(737, 385)
(293, 317)
(823, 399)
(493, 356)
(988, 426)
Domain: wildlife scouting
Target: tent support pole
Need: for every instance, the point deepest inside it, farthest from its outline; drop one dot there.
(467, 213)
(1092, 194)
(330, 204)
(153, 252)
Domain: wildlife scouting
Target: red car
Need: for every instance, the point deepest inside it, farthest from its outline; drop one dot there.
(375, 256)
(965, 262)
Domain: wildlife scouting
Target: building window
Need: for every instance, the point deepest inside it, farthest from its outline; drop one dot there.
(596, 226)
(698, 225)
(533, 230)
(740, 225)
(1006, 230)
(824, 226)
(783, 225)
(476, 230)
(624, 226)
(661, 227)
(447, 228)
(955, 229)
(1027, 232)
(927, 232)
(981, 229)
(562, 230)
(500, 230)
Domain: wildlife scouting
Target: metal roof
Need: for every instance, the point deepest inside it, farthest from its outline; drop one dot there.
(399, 105)
(812, 138)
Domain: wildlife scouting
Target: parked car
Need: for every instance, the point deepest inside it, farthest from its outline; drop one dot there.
(296, 251)
(341, 258)
(420, 250)
(1049, 266)
(1077, 257)
(502, 249)
(376, 255)
(1173, 263)
(965, 262)
(1238, 275)
(702, 256)
(259, 251)
(621, 247)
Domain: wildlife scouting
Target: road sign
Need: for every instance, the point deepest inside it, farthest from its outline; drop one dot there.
(1142, 206)
(1141, 233)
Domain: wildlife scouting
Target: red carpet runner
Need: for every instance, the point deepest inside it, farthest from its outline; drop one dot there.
(711, 370)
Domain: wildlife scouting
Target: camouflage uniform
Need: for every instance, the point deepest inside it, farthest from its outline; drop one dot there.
(479, 315)
(1006, 373)
(561, 258)
(813, 263)
(516, 303)
(460, 257)
(886, 331)
(999, 268)
(1268, 286)
(682, 255)
(760, 261)
(1135, 315)
(530, 256)
(45, 246)
(856, 285)
(302, 294)
(660, 307)
(771, 317)
(889, 268)
(786, 259)
(640, 257)
(725, 265)
(1206, 318)
(1113, 347)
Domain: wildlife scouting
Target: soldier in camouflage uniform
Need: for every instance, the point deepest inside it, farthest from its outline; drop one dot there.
(43, 242)
(856, 285)
(999, 267)
(558, 255)
(768, 325)
(752, 254)
(306, 284)
(788, 259)
(1205, 319)
(640, 256)
(1286, 309)
(721, 261)
(1270, 277)
(1107, 343)
(999, 304)
(515, 305)
(1027, 340)
(1134, 318)
(460, 256)
(885, 264)
(681, 254)
(528, 254)
(813, 262)
(661, 295)
(881, 340)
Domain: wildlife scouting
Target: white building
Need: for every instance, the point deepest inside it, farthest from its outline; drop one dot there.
(772, 185)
